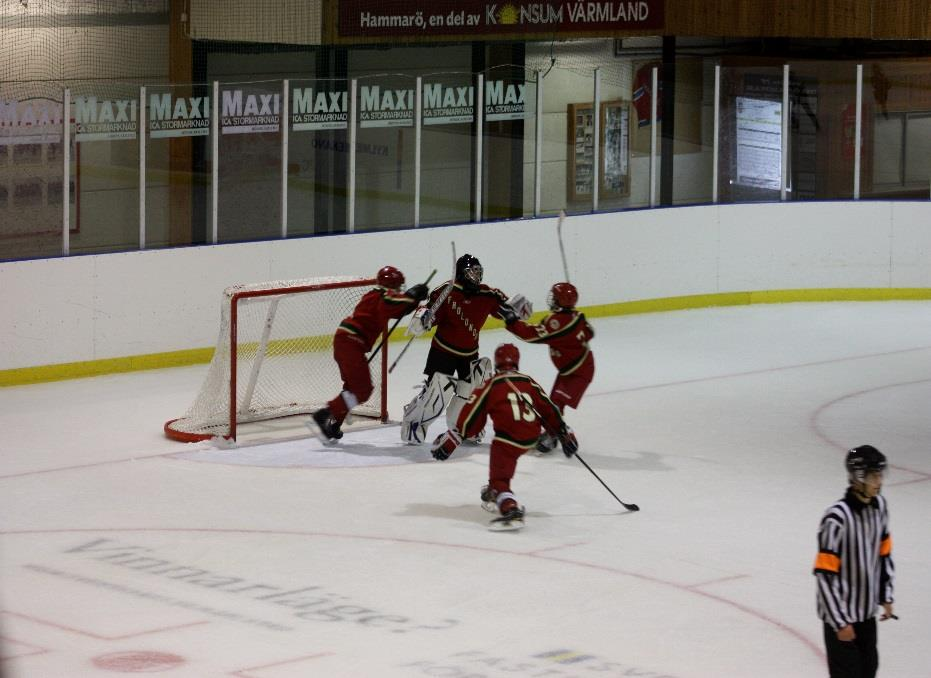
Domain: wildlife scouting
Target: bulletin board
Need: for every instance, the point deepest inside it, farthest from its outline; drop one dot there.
(613, 150)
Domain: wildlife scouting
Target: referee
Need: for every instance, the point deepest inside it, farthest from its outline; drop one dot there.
(854, 568)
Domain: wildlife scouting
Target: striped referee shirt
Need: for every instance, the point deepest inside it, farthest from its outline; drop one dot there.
(854, 568)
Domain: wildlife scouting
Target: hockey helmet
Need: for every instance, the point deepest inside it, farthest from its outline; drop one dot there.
(562, 295)
(390, 277)
(862, 460)
(507, 357)
(469, 271)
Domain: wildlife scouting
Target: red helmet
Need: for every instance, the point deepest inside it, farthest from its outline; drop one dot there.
(507, 357)
(390, 277)
(562, 295)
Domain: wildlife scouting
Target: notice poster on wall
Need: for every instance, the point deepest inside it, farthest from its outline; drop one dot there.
(759, 143)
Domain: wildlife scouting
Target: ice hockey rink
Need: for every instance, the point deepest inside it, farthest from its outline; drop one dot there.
(125, 553)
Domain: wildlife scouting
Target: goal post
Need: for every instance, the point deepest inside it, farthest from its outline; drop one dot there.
(274, 357)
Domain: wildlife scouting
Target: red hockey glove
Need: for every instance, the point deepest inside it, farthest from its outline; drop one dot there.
(445, 444)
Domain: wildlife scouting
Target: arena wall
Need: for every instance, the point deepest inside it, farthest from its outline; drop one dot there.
(68, 317)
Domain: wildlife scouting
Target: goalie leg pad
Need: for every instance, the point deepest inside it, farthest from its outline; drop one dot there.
(456, 403)
(426, 406)
(480, 371)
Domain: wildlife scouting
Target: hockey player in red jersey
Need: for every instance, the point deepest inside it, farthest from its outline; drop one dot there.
(567, 333)
(518, 408)
(458, 318)
(354, 338)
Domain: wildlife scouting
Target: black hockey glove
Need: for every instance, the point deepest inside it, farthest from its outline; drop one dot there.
(570, 444)
(418, 292)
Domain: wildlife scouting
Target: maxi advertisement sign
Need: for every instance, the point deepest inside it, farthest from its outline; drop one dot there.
(443, 104)
(475, 18)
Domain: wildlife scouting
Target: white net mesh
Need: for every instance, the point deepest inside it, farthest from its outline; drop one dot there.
(283, 355)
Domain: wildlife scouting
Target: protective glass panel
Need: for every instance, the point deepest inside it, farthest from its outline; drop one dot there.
(918, 158)
(106, 134)
(507, 103)
(384, 152)
(693, 147)
(530, 146)
(178, 151)
(249, 161)
(567, 140)
(822, 129)
(888, 151)
(896, 130)
(750, 148)
(32, 171)
(317, 156)
(447, 148)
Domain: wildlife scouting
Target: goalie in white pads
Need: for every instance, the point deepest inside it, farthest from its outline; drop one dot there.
(519, 410)
(453, 368)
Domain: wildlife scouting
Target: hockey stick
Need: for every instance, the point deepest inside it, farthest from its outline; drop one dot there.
(433, 309)
(629, 507)
(387, 336)
(562, 249)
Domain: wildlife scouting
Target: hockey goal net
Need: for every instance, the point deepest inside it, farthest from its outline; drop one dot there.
(274, 357)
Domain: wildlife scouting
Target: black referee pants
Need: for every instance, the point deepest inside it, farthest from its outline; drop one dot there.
(857, 658)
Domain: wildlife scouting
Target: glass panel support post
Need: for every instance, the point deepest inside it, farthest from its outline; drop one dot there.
(596, 142)
(418, 141)
(716, 134)
(351, 178)
(141, 129)
(784, 151)
(284, 156)
(215, 164)
(66, 176)
(538, 150)
(654, 86)
(479, 131)
(857, 134)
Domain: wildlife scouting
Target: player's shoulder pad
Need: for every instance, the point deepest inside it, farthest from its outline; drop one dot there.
(493, 291)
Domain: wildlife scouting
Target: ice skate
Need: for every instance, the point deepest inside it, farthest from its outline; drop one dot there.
(326, 427)
(513, 519)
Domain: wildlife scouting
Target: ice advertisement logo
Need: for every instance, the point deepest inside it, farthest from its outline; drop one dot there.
(229, 596)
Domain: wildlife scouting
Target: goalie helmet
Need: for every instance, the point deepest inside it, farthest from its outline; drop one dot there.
(862, 460)
(562, 295)
(507, 357)
(390, 277)
(469, 272)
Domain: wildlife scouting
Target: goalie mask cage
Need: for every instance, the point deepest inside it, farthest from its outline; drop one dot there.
(274, 357)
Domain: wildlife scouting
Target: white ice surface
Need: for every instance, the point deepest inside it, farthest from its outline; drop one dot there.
(126, 553)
